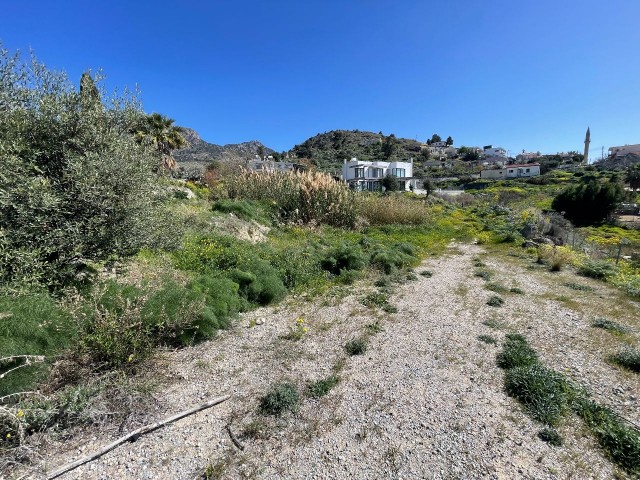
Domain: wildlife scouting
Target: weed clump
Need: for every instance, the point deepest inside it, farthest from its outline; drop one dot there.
(488, 339)
(551, 436)
(281, 398)
(610, 326)
(495, 301)
(544, 392)
(516, 352)
(378, 300)
(579, 287)
(321, 387)
(628, 358)
(484, 274)
(516, 290)
(599, 269)
(344, 257)
(426, 273)
(496, 287)
(357, 346)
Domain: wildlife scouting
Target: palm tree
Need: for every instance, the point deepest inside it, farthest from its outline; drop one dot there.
(161, 132)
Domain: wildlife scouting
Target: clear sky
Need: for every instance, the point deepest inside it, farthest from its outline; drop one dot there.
(519, 74)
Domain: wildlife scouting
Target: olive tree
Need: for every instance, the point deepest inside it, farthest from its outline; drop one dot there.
(75, 186)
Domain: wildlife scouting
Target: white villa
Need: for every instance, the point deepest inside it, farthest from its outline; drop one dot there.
(361, 175)
(512, 171)
(268, 164)
(490, 151)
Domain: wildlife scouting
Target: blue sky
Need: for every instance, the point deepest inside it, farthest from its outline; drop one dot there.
(519, 74)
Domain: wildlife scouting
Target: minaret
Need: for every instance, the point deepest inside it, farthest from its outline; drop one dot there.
(587, 141)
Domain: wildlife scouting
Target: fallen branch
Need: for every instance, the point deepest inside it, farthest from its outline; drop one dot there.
(233, 438)
(28, 360)
(133, 436)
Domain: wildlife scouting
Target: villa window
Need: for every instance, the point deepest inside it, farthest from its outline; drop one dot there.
(398, 172)
(359, 172)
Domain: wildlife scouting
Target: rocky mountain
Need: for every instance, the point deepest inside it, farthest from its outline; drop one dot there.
(199, 153)
(328, 150)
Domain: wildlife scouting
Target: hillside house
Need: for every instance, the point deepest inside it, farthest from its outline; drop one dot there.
(268, 164)
(361, 175)
(512, 171)
(624, 150)
(490, 151)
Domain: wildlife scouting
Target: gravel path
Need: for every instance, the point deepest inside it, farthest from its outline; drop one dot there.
(426, 400)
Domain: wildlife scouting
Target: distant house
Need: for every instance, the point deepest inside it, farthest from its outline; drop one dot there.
(525, 157)
(512, 171)
(624, 150)
(268, 164)
(361, 175)
(490, 151)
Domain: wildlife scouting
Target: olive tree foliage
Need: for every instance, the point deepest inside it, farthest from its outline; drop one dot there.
(75, 186)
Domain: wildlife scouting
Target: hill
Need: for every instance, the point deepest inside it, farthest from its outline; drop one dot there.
(199, 153)
(328, 150)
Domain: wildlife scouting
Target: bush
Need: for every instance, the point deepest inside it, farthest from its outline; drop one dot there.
(307, 197)
(259, 282)
(76, 185)
(588, 202)
(356, 346)
(343, 257)
(31, 325)
(551, 436)
(396, 209)
(388, 259)
(281, 398)
(610, 326)
(516, 353)
(556, 257)
(321, 387)
(495, 301)
(600, 269)
(484, 274)
(426, 273)
(628, 358)
(544, 393)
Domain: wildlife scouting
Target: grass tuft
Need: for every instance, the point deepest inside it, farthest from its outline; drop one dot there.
(551, 436)
(579, 287)
(495, 301)
(610, 326)
(281, 398)
(628, 358)
(426, 273)
(516, 352)
(488, 339)
(356, 346)
(321, 387)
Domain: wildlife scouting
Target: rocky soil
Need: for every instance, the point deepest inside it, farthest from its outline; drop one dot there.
(425, 400)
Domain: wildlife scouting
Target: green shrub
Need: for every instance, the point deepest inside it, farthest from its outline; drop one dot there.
(259, 282)
(551, 436)
(357, 346)
(245, 209)
(589, 201)
(496, 287)
(619, 440)
(213, 253)
(343, 257)
(378, 300)
(517, 290)
(544, 393)
(389, 259)
(31, 325)
(600, 269)
(281, 398)
(516, 353)
(321, 387)
(426, 273)
(76, 184)
(487, 339)
(610, 326)
(484, 274)
(495, 301)
(578, 286)
(628, 358)
(298, 267)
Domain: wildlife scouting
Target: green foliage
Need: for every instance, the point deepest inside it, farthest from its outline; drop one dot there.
(588, 202)
(628, 358)
(551, 436)
(544, 393)
(378, 300)
(390, 258)
(496, 287)
(298, 266)
(281, 398)
(600, 269)
(259, 282)
(321, 387)
(487, 339)
(578, 286)
(245, 209)
(619, 440)
(390, 183)
(343, 257)
(516, 352)
(74, 184)
(426, 273)
(357, 346)
(610, 326)
(516, 290)
(495, 301)
(484, 274)
(31, 325)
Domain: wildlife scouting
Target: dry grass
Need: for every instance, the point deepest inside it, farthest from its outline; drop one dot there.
(393, 209)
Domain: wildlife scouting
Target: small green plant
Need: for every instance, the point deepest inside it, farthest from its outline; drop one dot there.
(496, 287)
(321, 387)
(551, 436)
(579, 287)
(495, 301)
(496, 324)
(610, 326)
(628, 358)
(378, 300)
(281, 398)
(516, 290)
(484, 274)
(374, 327)
(487, 339)
(297, 331)
(426, 273)
(600, 269)
(516, 352)
(356, 346)
(478, 263)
